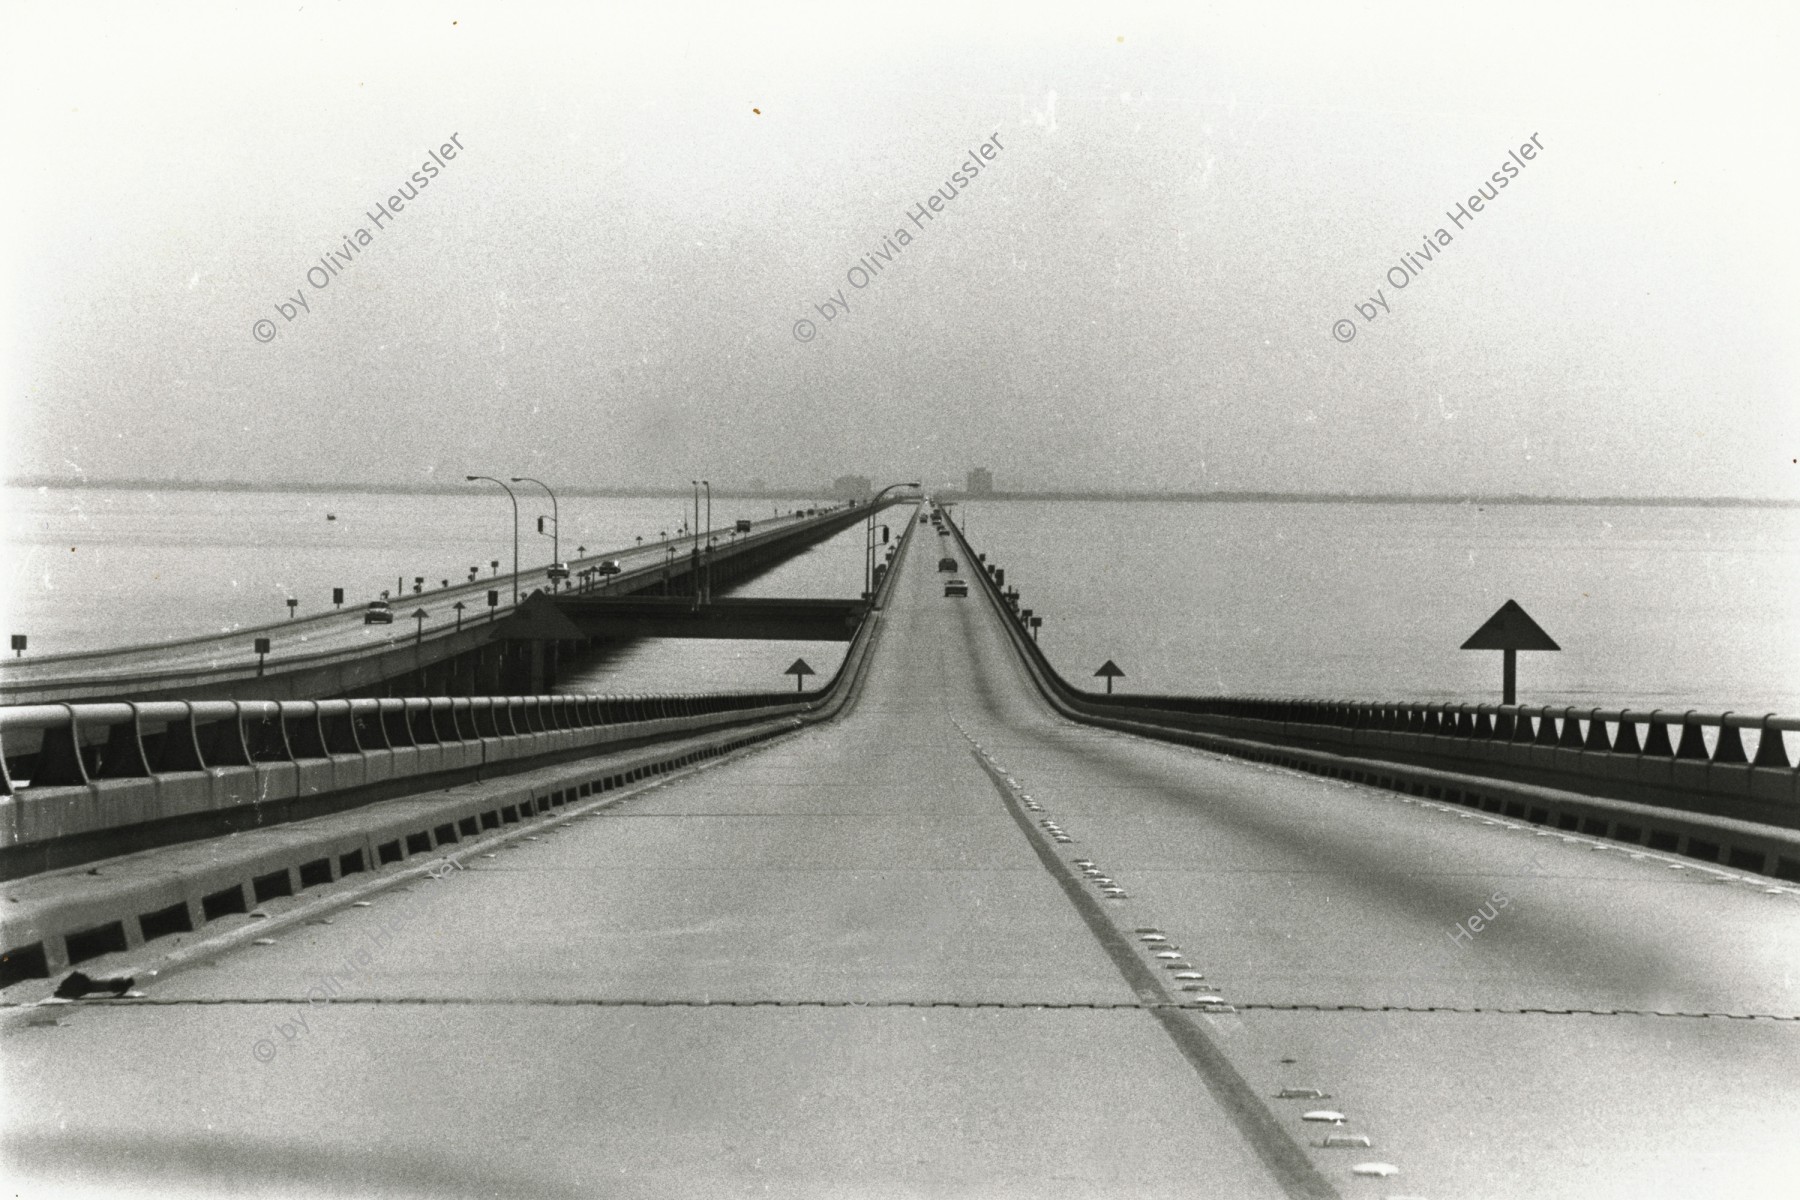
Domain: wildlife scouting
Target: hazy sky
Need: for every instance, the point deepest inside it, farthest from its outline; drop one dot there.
(1139, 290)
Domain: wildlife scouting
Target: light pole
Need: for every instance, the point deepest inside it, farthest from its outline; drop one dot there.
(869, 559)
(555, 525)
(707, 484)
(695, 559)
(515, 504)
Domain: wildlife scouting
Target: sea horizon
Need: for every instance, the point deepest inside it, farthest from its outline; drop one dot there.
(60, 483)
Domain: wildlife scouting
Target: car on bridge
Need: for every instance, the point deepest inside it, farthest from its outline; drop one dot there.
(956, 587)
(947, 564)
(379, 612)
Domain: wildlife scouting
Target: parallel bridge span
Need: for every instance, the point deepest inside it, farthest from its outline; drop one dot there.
(336, 654)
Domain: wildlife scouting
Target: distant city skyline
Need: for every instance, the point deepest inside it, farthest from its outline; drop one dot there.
(832, 490)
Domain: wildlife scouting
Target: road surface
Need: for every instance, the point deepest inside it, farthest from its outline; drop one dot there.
(857, 963)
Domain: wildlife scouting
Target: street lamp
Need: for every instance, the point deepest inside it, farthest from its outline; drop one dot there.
(555, 525)
(707, 484)
(696, 545)
(869, 560)
(515, 504)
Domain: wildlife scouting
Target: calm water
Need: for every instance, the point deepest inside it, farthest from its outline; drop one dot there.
(832, 569)
(1671, 607)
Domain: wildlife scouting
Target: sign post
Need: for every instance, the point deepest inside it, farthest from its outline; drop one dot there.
(1109, 671)
(1510, 630)
(799, 671)
(18, 644)
(420, 618)
(459, 613)
(262, 652)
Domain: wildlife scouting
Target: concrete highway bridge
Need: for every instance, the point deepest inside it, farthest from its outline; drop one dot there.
(945, 927)
(463, 645)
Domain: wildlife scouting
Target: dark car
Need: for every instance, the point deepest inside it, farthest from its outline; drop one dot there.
(947, 564)
(956, 587)
(378, 613)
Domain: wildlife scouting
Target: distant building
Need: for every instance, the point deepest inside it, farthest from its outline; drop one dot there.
(851, 487)
(981, 482)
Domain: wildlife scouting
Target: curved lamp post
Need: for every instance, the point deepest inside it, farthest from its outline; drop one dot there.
(869, 559)
(695, 550)
(515, 504)
(555, 524)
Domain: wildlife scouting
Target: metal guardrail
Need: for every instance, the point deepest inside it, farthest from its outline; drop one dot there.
(83, 744)
(1683, 736)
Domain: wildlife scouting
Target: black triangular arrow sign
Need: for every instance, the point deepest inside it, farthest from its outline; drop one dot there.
(1510, 629)
(1109, 670)
(799, 668)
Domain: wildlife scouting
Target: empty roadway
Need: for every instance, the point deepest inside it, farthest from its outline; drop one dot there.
(854, 962)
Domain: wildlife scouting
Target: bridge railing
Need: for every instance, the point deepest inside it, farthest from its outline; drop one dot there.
(1726, 753)
(77, 745)
(1731, 764)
